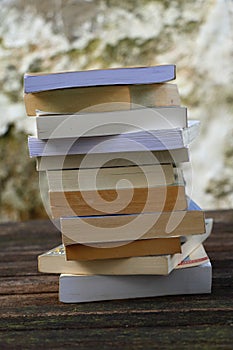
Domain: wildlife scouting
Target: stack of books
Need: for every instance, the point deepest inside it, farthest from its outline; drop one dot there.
(111, 142)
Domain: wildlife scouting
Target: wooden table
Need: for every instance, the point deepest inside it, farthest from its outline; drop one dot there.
(33, 318)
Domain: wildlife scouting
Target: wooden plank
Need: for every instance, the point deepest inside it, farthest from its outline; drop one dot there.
(32, 317)
(125, 337)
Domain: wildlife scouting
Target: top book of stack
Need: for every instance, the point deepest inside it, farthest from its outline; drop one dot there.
(37, 82)
(100, 90)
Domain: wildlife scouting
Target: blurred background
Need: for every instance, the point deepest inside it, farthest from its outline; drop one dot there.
(58, 35)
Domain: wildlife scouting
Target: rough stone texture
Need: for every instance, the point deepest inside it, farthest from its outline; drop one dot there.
(77, 34)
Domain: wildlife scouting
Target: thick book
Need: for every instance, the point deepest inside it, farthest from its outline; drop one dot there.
(54, 261)
(116, 250)
(102, 98)
(110, 178)
(76, 161)
(35, 82)
(121, 201)
(53, 126)
(111, 228)
(79, 289)
(153, 140)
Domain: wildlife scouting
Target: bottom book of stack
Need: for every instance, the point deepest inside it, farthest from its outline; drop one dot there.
(189, 272)
(182, 280)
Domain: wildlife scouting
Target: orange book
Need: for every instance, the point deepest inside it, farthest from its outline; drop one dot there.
(114, 250)
(87, 203)
(102, 98)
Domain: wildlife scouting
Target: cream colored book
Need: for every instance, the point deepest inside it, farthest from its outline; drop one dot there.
(121, 228)
(115, 159)
(110, 178)
(52, 126)
(54, 261)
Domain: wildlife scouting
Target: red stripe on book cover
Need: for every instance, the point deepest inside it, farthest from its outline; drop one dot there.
(186, 262)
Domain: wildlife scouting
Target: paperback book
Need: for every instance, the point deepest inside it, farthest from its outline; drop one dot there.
(52, 126)
(115, 159)
(102, 98)
(35, 82)
(188, 280)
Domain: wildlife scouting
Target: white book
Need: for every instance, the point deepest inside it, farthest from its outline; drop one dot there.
(52, 126)
(54, 261)
(192, 280)
(152, 140)
(115, 159)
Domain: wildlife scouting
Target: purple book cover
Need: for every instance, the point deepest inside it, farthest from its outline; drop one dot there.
(101, 77)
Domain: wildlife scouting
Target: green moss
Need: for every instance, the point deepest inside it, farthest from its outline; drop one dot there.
(92, 46)
(13, 96)
(191, 27)
(134, 51)
(129, 5)
(19, 195)
(73, 53)
(35, 65)
(219, 188)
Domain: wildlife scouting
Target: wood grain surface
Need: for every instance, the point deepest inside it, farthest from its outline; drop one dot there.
(33, 318)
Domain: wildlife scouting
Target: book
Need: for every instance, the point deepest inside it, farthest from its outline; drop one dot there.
(35, 82)
(175, 156)
(109, 178)
(52, 126)
(54, 261)
(79, 289)
(110, 228)
(123, 201)
(153, 140)
(116, 250)
(102, 98)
